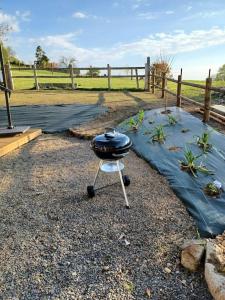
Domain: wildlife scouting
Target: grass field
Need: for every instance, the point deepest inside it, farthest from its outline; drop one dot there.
(62, 96)
(83, 83)
(191, 92)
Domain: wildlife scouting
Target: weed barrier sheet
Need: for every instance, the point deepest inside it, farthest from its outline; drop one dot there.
(52, 118)
(208, 212)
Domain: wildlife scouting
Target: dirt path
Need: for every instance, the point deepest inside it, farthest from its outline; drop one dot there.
(55, 243)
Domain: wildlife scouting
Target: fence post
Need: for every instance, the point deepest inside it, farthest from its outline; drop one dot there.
(153, 80)
(146, 77)
(137, 81)
(131, 73)
(35, 77)
(179, 83)
(148, 82)
(9, 78)
(71, 75)
(207, 103)
(163, 84)
(109, 77)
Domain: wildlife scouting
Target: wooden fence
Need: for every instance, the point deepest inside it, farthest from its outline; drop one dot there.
(149, 75)
(205, 108)
(74, 73)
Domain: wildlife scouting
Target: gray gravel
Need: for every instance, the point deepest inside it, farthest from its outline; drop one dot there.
(55, 243)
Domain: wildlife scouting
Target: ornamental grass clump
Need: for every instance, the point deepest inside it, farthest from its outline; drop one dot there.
(135, 124)
(172, 120)
(191, 165)
(158, 134)
(203, 142)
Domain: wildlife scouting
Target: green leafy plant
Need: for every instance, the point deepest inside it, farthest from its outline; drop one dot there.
(158, 134)
(212, 190)
(135, 123)
(190, 164)
(203, 141)
(172, 120)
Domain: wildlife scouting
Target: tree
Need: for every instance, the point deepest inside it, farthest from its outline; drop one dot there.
(41, 58)
(93, 72)
(221, 73)
(162, 65)
(69, 61)
(4, 29)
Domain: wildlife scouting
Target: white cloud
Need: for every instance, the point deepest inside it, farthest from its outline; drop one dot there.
(10, 20)
(169, 12)
(204, 15)
(80, 15)
(24, 16)
(152, 15)
(188, 8)
(13, 21)
(168, 43)
(148, 15)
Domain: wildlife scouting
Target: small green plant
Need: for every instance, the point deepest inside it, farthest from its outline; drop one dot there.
(135, 124)
(203, 141)
(211, 189)
(190, 164)
(172, 120)
(158, 134)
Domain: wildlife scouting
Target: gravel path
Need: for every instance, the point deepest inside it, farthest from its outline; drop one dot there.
(55, 243)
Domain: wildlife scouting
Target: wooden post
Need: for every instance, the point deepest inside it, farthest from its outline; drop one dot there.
(35, 77)
(153, 80)
(163, 84)
(109, 77)
(9, 78)
(148, 80)
(131, 73)
(137, 81)
(179, 83)
(146, 77)
(72, 77)
(207, 103)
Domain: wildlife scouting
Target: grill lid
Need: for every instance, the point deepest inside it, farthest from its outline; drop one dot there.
(110, 141)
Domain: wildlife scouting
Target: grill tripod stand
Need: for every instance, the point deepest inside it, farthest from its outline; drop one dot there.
(109, 167)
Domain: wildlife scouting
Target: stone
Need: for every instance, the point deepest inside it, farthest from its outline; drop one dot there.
(215, 280)
(167, 270)
(192, 254)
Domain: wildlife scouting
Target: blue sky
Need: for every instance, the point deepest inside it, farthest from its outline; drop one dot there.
(120, 32)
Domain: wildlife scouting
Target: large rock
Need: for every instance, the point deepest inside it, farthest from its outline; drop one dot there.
(215, 279)
(192, 254)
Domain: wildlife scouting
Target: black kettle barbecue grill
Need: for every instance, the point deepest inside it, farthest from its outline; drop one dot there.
(111, 147)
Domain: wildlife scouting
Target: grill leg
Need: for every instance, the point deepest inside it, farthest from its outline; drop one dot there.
(123, 187)
(96, 175)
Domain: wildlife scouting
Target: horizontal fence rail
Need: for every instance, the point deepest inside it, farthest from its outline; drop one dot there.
(72, 73)
(205, 108)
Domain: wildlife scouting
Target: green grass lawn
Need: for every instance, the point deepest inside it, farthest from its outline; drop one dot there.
(102, 83)
(191, 92)
(83, 83)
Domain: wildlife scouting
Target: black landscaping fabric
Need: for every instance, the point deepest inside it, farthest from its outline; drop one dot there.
(208, 212)
(52, 118)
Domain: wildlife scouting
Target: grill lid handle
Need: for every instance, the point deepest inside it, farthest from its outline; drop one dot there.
(111, 133)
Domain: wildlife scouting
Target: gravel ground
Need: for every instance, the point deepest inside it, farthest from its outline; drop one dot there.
(55, 243)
